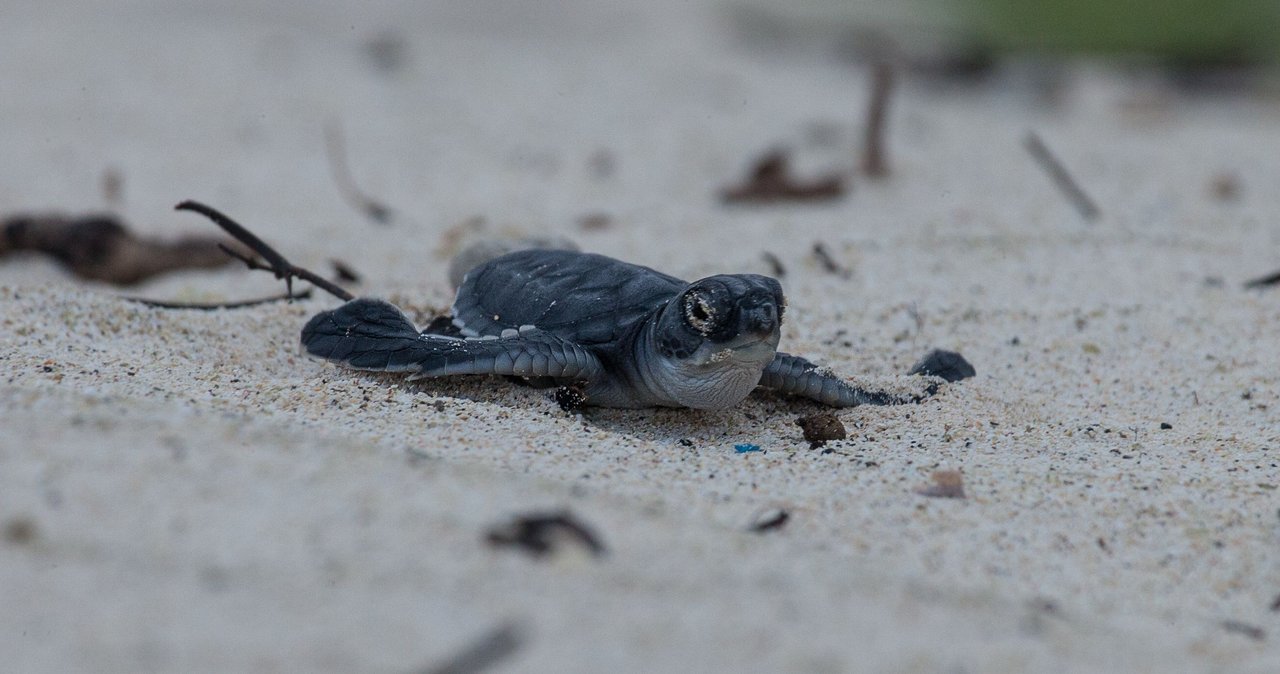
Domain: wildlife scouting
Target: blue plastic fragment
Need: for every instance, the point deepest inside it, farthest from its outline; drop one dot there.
(744, 448)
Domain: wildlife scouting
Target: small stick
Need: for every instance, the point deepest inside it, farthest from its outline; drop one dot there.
(775, 265)
(344, 271)
(210, 306)
(112, 186)
(277, 264)
(1252, 631)
(1069, 187)
(1269, 280)
(829, 263)
(491, 648)
(347, 187)
(874, 164)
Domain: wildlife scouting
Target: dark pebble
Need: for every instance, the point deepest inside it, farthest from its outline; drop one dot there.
(949, 365)
(819, 428)
(20, 530)
(770, 520)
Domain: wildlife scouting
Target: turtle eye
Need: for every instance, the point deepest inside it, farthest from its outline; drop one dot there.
(699, 313)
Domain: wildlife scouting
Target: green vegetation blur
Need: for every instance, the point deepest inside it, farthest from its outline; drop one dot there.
(1188, 31)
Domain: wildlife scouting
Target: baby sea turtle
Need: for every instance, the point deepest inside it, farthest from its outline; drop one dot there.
(615, 334)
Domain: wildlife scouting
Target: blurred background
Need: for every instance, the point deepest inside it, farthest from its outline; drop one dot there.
(1179, 34)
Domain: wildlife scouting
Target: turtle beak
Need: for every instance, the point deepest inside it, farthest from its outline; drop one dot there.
(758, 314)
(761, 319)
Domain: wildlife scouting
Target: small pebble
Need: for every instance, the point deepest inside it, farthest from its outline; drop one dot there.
(19, 531)
(774, 518)
(1225, 187)
(819, 428)
(946, 484)
(594, 222)
(949, 365)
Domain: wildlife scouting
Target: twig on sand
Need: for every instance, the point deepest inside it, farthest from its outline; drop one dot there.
(275, 262)
(1244, 629)
(829, 263)
(356, 197)
(1069, 187)
(775, 264)
(492, 647)
(874, 163)
(1264, 281)
(210, 306)
(344, 271)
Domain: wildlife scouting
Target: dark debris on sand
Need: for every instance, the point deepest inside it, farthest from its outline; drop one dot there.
(821, 428)
(770, 181)
(949, 365)
(540, 534)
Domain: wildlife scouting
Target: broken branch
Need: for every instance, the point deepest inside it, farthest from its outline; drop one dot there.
(347, 186)
(276, 263)
(1061, 178)
(1265, 281)
(874, 164)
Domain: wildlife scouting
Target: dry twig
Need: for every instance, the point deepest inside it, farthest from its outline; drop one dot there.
(775, 264)
(1264, 281)
(492, 647)
(874, 164)
(829, 263)
(210, 306)
(1061, 178)
(357, 198)
(275, 262)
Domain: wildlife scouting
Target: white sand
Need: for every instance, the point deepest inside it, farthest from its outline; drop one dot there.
(205, 499)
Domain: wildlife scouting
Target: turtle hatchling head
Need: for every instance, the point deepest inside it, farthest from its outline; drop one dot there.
(717, 335)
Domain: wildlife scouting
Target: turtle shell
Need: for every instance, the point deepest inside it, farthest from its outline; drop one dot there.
(582, 297)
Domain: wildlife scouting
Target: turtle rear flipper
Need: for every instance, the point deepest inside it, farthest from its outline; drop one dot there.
(369, 334)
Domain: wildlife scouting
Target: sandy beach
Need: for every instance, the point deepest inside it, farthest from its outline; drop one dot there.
(183, 491)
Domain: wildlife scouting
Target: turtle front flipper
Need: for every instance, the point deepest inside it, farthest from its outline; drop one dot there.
(796, 376)
(370, 334)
